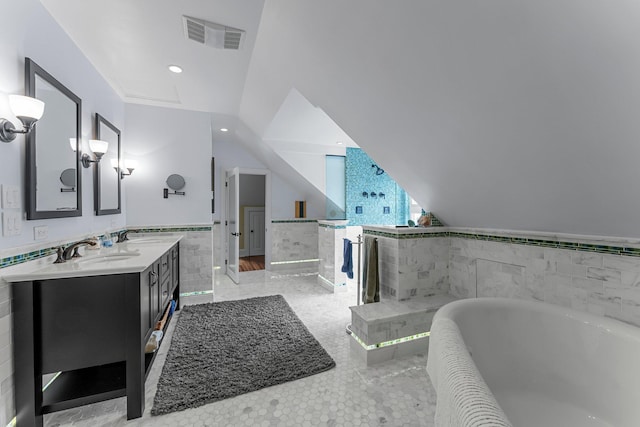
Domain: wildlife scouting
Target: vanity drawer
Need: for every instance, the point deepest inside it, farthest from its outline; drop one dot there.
(165, 265)
(165, 291)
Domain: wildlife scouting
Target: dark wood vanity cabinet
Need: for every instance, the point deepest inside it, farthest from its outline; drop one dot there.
(85, 329)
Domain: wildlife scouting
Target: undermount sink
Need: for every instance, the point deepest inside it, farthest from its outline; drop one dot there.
(146, 240)
(120, 256)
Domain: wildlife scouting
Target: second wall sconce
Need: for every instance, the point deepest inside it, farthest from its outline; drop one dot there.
(26, 109)
(129, 165)
(99, 149)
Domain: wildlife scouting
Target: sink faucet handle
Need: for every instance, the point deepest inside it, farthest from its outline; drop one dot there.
(60, 257)
(123, 236)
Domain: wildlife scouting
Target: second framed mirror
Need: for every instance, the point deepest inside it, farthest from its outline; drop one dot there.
(107, 172)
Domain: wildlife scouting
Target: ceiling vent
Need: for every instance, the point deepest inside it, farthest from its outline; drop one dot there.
(212, 34)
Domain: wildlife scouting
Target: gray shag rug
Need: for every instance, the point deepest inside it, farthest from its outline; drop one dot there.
(220, 350)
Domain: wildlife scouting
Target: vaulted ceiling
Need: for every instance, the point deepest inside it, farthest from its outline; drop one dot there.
(512, 115)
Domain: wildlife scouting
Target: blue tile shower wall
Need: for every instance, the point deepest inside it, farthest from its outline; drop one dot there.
(370, 210)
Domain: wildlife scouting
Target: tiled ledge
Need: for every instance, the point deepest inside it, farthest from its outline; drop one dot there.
(586, 243)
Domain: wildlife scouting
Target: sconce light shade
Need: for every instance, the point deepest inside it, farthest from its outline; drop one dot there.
(129, 165)
(98, 147)
(28, 110)
(73, 143)
(26, 107)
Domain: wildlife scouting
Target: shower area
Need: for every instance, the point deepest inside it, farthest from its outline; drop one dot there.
(359, 191)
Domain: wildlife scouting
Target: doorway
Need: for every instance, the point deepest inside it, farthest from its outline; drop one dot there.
(252, 222)
(248, 241)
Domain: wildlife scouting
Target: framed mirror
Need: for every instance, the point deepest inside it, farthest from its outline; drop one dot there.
(53, 147)
(107, 172)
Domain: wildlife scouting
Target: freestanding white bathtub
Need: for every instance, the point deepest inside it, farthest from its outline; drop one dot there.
(506, 362)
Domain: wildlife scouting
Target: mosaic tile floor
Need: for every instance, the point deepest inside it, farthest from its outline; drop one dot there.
(396, 393)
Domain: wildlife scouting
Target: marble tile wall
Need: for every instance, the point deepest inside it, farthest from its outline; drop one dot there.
(294, 245)
(218, 246)
(413, 268)
(423, 267)
(600, 283)
(196, 257)
(331, 254)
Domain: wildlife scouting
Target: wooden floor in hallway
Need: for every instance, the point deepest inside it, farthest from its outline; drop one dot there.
(252, 263)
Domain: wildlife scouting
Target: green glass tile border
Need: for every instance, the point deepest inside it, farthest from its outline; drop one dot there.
(406, 235)
(290, 221)
(45, 252)
(169, 229)
(336, 227)
(29, 256)
(557, 244)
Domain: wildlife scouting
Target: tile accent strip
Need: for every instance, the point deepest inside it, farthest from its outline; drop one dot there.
(287, 221)
(406, 235)
(336, 227)
(191, 294)
(170, 229)
(558, 244)
(392, 342)
(330, 283)
(39, 253)
(45, 252)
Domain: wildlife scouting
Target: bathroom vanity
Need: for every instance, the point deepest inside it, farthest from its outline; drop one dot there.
(87, 321)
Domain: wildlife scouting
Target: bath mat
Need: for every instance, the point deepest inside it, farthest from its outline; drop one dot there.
(224, 349)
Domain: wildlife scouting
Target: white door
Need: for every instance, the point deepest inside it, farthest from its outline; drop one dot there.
(256, 232)
(233, 223)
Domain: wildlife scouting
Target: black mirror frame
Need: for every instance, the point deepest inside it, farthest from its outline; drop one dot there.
(99, 120)
(31, 70)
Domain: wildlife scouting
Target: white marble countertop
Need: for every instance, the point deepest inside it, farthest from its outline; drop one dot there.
(133, 256)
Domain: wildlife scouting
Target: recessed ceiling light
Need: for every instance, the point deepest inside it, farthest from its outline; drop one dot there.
(340, 143)
(224, 130)
(175, 69)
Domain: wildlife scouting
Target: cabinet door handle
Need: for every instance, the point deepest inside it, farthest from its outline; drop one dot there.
(154, 278)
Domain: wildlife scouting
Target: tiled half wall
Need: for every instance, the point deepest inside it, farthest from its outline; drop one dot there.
(582, 272)
(294, 246)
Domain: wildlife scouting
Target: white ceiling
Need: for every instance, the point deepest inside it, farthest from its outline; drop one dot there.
(131, 43)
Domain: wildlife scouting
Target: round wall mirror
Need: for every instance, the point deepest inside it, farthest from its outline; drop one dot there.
(175, 182)
(68, 177)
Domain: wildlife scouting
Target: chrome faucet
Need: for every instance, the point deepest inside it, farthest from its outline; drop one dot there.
(123, 236)
(72, 250)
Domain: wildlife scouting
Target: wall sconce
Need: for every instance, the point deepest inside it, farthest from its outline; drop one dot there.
(26, 109)
(99, 148)
(129, 165)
